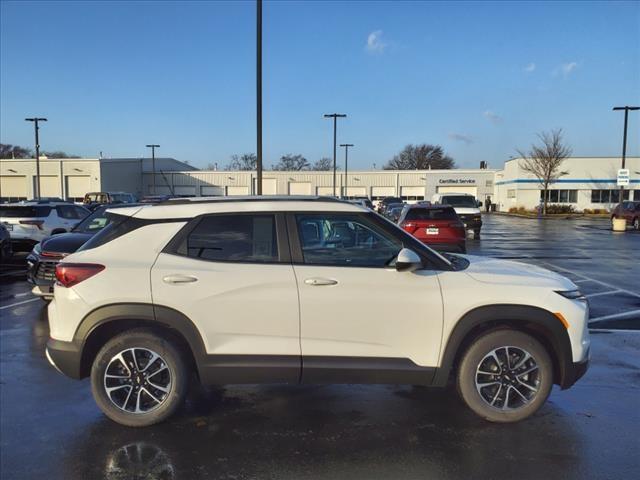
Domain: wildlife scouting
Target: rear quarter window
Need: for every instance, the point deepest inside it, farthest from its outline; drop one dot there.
(119, 225)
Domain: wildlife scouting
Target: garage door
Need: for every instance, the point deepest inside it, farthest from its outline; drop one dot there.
(237, 191)
(269, 186)
(357, 192)
(212, 191)
(325, 191)
(378, 193)
(50, 186)
(13, 188)
(412, 194)
(77, 186)
(185, 191)
(469, 190)
(299, 188)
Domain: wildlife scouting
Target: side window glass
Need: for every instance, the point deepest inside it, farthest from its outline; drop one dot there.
(347, 240)
(233, 238)
(80, 212)
(65, 211)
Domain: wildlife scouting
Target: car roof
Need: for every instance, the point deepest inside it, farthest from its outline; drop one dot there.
(192, 207)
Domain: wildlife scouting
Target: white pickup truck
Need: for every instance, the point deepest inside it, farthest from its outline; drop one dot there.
(466, 206)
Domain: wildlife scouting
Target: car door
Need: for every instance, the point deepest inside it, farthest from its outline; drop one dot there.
(361, 319)
(231, 276)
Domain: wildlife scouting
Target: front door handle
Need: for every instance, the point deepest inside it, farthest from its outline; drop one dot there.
(177, 279)
(316, 282)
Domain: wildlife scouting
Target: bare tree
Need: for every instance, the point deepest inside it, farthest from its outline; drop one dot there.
(246, 161)
(14, 151)
(292, 163)
(322, 165)
(420, 157)
(544, 161)
(58, 154)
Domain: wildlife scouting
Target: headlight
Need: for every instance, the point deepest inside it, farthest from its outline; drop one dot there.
(572, 294)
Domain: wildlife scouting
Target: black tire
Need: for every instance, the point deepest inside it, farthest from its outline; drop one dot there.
(476, 234)
(143, 340)
(463, 248)
(636, 223)
(474, 359)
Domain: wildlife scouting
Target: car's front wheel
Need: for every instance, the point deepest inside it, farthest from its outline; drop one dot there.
(139, 378)
(505, 376)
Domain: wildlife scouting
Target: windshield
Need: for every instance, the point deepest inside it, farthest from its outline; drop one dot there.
(465, 201)
(94, 222)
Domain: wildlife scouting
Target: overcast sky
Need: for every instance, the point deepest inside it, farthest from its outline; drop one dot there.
(480, 79)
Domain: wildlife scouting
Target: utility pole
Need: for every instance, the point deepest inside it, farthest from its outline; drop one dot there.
(624, 141)
(153, 166)
(335, 117)
(35, 121)
(259, 95)
(346, 166)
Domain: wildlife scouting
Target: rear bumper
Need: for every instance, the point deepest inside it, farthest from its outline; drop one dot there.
(64, 357)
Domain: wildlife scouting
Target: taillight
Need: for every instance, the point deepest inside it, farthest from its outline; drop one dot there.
(409, 227)
(70, 274)
(37, 223)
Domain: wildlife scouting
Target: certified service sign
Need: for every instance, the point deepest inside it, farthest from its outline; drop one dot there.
(623, 177)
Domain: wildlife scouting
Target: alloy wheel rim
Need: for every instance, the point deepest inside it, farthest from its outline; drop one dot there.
(508, 378)
(137, 380)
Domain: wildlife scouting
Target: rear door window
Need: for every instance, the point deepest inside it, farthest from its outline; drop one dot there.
(233, 238)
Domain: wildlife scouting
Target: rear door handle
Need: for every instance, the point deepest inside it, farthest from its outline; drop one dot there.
(316, 282)
(176, 279)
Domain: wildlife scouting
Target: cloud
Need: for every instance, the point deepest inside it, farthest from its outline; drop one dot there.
(375, 44)
(530, 68)
(460, 137)
(492, 117)
(565, 69)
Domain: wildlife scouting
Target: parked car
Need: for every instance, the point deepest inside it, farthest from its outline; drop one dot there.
(467, 208)
(45, 256)
(5, 244)
(436, 225)
(93, 200)
(363, 202)
(31, 222)
(630, 211)
(382, 204)
(393, 210)
(274, 290)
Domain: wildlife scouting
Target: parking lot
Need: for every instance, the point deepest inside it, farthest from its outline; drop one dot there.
(51, 428)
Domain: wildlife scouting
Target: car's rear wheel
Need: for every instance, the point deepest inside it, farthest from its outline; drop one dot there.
(476, 234)
(636, 223)
(505, 376)
(139, 378)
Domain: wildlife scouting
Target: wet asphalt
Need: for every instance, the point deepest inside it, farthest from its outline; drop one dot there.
(50, 427)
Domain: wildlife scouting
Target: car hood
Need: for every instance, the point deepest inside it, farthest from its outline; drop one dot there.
(467, 210)
(64, 242)
(506, 272)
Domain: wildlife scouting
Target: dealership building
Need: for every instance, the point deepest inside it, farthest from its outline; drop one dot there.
(589, 182)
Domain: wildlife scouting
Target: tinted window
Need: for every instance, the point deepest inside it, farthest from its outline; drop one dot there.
(459, 201)
(347, 240)
(117, 226)
(233, 238)
(24, 211)
(71, 212)
(94, 222)
(431, 214)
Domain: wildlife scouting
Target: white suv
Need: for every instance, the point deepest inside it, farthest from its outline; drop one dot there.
(303, 289)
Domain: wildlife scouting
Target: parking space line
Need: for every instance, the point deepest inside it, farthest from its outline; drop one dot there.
(591, 295)
(584, 278)
(19, 303)
(631, 313)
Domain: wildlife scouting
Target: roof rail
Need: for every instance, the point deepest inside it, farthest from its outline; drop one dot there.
(255, 198)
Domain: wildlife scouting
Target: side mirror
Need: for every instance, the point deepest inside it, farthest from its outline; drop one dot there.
(479, 204)
(408, 261)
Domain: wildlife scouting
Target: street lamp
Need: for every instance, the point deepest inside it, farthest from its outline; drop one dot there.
(624, 140)
(346, 166)
(335, 117)
(153, 165)
(35, 121)
(259, 95)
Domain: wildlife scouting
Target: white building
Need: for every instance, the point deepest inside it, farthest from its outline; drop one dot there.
(71, 178)
(590, 182)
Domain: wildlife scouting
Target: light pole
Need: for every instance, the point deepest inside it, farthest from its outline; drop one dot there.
(153, 165)
(346, 166)
(335, 117)
(259, 95)
(35, 121)
(624, 141)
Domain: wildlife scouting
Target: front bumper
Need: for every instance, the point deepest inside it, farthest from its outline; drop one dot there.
(574, 372)
(65, 357)
(471, 222)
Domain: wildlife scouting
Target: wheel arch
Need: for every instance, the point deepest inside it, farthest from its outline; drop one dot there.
(105, 322)
(541, 324)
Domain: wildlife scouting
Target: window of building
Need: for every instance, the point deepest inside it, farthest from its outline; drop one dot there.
(560, 196)
(488, 183)
(345, 240)
(511, 193)
(636, 195)
(608, 196)
(233, 238)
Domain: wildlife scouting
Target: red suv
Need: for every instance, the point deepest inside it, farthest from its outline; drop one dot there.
(435, 225)
(630, 211)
